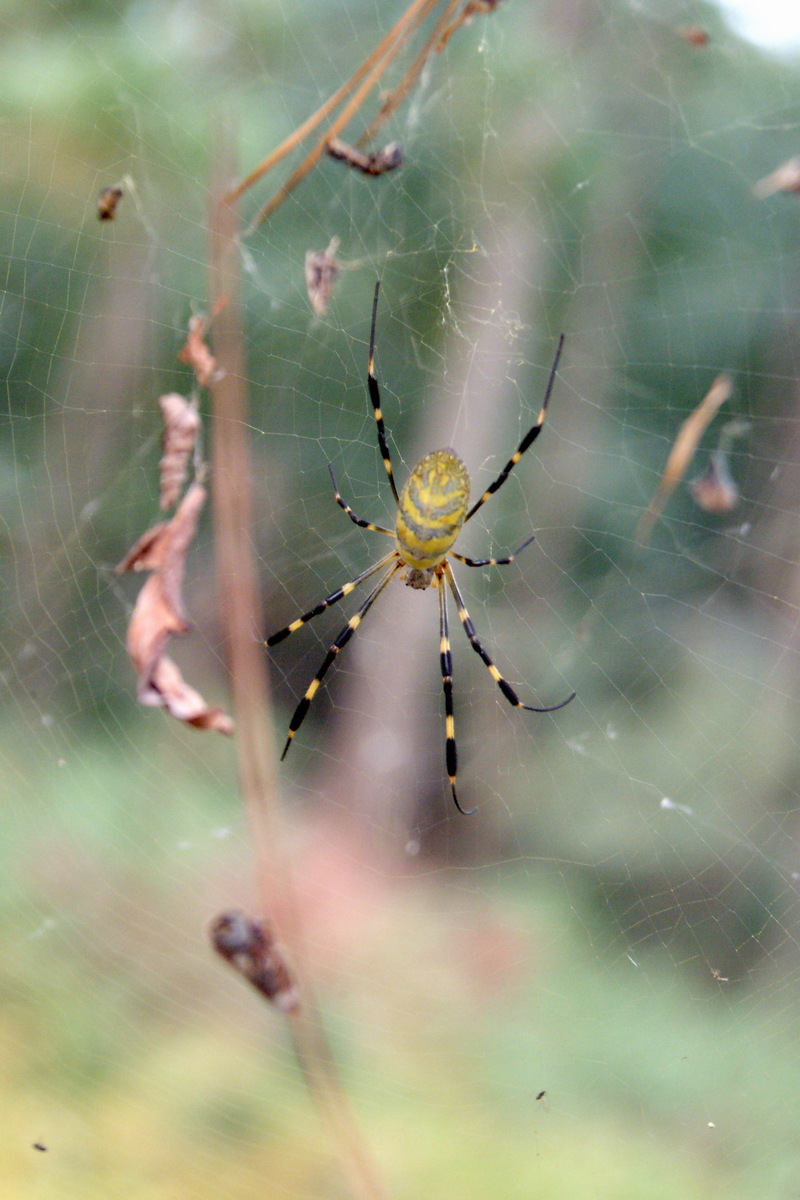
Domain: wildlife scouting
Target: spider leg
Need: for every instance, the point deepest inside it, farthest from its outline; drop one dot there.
(334, 598)
(375, 397)
(526, 442)
(469, 629)
(356, 520)
(446, 662)
(340, 642)
(491, 562)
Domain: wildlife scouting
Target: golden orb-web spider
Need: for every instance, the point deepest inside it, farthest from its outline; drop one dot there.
(430, 512)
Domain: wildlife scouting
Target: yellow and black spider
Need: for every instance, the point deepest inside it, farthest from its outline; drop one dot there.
(430, 512)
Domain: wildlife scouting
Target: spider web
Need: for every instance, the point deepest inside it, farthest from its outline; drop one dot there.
(588, 989)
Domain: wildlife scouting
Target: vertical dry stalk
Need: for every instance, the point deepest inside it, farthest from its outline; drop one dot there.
(240, 607)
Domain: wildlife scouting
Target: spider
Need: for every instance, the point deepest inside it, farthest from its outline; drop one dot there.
(431, 509)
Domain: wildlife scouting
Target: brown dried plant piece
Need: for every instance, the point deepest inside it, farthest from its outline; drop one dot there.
(378, 163)
(250, 947)
(159, 615)
(107, 202)
(181, 427)
(683, 451)
(196, 354)
(322, 269)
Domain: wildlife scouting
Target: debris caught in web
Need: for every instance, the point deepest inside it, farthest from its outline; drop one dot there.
(250, 947)
(322, 270)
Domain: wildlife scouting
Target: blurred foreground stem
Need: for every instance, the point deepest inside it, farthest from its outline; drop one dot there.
(241, 615)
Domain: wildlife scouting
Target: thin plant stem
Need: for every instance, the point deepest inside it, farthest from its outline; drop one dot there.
(240, 610)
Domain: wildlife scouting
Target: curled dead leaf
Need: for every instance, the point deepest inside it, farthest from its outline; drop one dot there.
(181, 427)
(159, 615)
(196, 354)
(166, 688)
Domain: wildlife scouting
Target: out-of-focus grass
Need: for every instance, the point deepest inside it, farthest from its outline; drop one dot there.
(148, 1070)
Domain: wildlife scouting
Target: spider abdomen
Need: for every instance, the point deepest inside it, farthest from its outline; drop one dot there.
(432, 508)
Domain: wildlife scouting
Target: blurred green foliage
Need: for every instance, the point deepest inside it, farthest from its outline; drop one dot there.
(634, 959)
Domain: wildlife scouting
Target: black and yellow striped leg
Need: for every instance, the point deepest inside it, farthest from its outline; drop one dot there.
(375, 397)
(356, 520)
(446, 662)
(469, 629)
(334, 598)
(491, 562)
(526, 442)
(341, 641)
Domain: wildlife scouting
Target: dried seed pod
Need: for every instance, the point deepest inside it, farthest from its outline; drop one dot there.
(250, 948)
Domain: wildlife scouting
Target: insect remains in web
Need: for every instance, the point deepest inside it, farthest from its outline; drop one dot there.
(107, 202)
(379, 162)
(431, 509)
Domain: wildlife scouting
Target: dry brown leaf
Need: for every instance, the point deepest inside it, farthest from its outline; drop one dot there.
(159, 615)
(181, 427)
(322, 271)
(196, 354)
(145, 553)
(682, 452)
(168, 689)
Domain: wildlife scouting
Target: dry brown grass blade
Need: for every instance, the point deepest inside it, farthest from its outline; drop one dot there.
(396, 36)
(441, 32)
(682, 453)
(358, 87)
